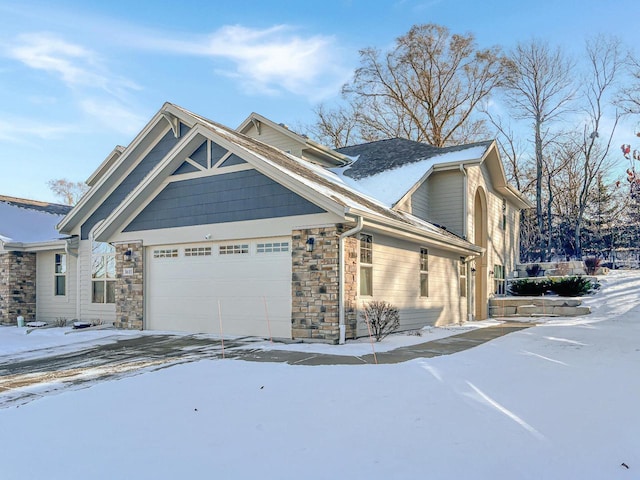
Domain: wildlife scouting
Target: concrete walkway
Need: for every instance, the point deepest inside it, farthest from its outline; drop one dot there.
(435, 348)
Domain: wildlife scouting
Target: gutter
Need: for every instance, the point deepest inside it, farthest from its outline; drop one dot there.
(76, 255)
(348, 233)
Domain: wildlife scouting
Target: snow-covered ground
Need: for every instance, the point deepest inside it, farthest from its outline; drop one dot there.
(560, 400)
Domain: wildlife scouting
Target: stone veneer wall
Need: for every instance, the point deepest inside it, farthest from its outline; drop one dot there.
(351, 250)
(315, 285)
(129, 288)
(17, 286)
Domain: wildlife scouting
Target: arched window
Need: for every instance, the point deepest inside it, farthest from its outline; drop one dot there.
(103, 273)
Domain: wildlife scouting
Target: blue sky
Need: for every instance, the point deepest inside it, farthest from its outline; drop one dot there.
(79, 77)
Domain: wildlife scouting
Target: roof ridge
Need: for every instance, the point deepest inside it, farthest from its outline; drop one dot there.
(28, 201)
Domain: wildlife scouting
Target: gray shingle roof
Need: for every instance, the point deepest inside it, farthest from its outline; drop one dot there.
(53, 208)
(377, 157)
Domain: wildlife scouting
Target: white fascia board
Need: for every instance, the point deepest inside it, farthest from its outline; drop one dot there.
(403, 230)
(306, 143)
(104, 166)
(85, 206)
(35, 246)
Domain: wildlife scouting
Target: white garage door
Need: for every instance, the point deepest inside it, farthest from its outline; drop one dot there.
(243, 286)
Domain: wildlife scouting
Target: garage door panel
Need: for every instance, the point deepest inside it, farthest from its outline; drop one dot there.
(188, 293)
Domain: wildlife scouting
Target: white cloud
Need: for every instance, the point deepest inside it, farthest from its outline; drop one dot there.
(113, 115)
(74, 64)
(19, 130)
(272, 60)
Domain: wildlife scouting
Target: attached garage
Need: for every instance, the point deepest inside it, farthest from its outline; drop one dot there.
(245, 285)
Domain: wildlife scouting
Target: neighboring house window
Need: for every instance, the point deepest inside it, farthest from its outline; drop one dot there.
(272, 247)
(504, 214)
(499, 287)
(165, 253)
(463, 277)
(366, 265)
(103, 273)
(424, 272)
(197, 252)
(234, 249)
(60, 275)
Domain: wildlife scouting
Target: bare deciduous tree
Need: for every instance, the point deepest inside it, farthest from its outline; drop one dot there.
(539, 87)
(426, 89)
(69, 192)
(605, 61)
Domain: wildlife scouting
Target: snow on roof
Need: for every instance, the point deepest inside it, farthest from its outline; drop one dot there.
(392, 184)
(320, 179)
(29, 221)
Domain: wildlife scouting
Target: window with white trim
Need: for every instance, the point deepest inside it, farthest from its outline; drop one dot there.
(237, 249)
(272, 247)
(424, 272)
(165, 253)
(197, 252)
(366, 265)
(499, 284)
(462, 267)
(60, 274)
(103, 273)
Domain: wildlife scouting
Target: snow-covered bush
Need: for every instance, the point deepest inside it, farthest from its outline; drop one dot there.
(381, 317)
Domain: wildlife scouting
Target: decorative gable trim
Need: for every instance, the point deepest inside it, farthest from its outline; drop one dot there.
(160, 176)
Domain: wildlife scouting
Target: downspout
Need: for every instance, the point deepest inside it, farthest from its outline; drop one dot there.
(465, 234)
(344, 235)
(465, 207)
(76, 255)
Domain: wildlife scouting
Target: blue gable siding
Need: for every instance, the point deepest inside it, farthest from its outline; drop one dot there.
(217, 152)
(200, 155)
(156, 154)
(232, 197)
(186, 167)
(232, 160)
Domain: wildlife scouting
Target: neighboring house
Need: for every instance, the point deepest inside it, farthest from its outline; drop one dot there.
(260, 231)
(28, 242)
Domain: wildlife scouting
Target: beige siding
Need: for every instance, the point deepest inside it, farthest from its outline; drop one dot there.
(396, 279)
(445, 200)
(50, 307)
(91, 311)
(276, 139)
(502, 244)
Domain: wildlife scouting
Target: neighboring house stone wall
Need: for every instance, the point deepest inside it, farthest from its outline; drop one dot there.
(129, 286)
(17, 286)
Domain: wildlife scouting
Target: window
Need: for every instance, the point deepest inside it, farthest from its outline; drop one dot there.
(499, 287)
(424, 272)
(462, 266)
(234, 249)
(165, 253)
(366, 265)
(60, 274)
(197, 252)
(103, 273)
(273, 247)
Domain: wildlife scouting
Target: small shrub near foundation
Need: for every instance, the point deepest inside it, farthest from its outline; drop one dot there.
(528, 288)
(573, 286)
(381, 317)
(60, 322)
(592, 264)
